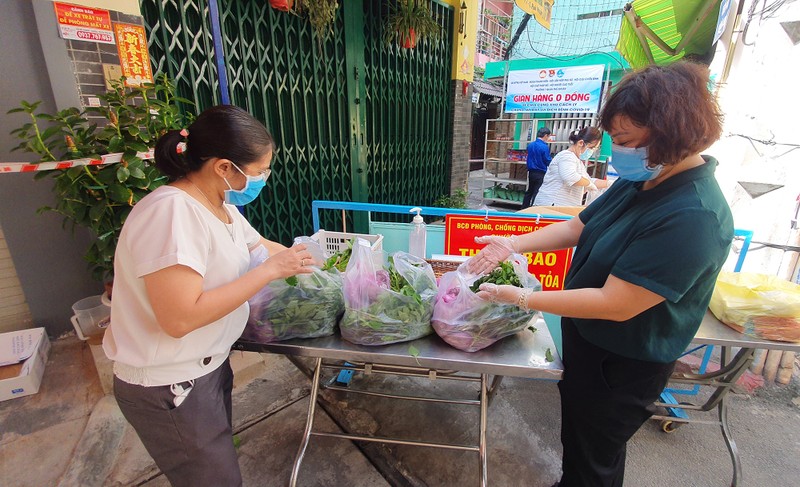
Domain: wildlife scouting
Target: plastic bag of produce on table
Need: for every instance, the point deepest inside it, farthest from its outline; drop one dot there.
(470, 323)
(386, 303)
(302, 306)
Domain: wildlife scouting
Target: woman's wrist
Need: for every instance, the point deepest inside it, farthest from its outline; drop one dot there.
(523, 301)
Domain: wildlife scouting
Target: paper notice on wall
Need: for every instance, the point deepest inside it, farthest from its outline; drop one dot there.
(83, 23)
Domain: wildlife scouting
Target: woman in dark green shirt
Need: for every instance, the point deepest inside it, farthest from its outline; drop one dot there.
(647, 254)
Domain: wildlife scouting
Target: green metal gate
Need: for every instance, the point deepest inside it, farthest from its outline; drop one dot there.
(353, 118)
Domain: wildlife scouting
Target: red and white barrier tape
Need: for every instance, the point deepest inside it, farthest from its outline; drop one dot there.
(8, 167)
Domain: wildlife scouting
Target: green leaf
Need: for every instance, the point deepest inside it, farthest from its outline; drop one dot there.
(119, 193)
(123, 174)
(548, 355)
(136, 172)
(138, 146)
(15, 110)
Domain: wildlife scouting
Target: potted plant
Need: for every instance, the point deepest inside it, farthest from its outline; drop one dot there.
(282, 5)
(409, 22)
(100, 197)
(321, 14)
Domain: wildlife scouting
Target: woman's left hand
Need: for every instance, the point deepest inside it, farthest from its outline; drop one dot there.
(504, 294)
(292, 261)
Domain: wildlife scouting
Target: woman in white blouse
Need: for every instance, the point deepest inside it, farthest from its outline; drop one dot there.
(566, 177)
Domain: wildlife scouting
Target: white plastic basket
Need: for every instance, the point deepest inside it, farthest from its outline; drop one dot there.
(332, 242)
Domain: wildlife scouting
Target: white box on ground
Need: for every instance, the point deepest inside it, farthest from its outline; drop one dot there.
(30, 347)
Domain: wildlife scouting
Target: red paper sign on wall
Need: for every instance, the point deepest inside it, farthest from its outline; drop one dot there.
(550, 268)
(133, 56)
(83, 23)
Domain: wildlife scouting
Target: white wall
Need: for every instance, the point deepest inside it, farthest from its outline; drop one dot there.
(760, 101)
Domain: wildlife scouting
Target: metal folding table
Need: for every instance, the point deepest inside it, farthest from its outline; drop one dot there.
(732, 365)
(521, 355)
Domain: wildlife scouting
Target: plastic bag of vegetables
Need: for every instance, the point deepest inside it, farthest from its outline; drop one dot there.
(470, 323)
(386, 304)
(302, 306)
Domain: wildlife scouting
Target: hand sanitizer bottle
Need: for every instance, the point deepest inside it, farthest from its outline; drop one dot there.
(417, 239)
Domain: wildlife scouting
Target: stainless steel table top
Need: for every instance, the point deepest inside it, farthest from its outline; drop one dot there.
(521, 355)
(714, 332)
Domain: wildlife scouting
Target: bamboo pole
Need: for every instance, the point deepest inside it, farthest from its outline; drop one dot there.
(786, 368)
(757, 367)
(771, 366)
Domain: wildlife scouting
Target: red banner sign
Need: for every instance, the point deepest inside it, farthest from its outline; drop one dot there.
(133, 56)
(550, 268)
(83, 23)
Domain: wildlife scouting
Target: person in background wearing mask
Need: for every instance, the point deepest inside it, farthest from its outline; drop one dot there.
(538, 160)
(566, 178)
(647, 255)
(181, 285)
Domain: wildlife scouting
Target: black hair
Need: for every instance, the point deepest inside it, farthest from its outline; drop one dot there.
(586, 134)
(543, 132)
(223, 131)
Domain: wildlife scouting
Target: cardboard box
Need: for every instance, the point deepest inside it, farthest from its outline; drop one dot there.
(23, 355)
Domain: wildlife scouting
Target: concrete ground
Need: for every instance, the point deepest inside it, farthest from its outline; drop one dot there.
(71, 434)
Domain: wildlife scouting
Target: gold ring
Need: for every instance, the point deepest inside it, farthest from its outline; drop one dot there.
(303, 262)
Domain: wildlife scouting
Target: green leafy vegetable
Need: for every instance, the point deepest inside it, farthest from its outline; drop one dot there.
(302, 306)
(502, 274)
(548, 355)
(392, 304)
(339, 259)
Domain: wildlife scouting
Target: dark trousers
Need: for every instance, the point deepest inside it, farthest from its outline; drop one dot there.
(535, 179)
(605, 398)
(192, 444)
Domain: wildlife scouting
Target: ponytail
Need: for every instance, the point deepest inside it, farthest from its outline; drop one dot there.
(171, 160)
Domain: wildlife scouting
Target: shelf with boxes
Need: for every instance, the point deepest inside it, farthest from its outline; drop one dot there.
(505, 172)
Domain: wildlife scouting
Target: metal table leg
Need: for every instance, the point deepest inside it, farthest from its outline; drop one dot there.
(309, 423)
(482, 441)
(729, 442)
(722, 381)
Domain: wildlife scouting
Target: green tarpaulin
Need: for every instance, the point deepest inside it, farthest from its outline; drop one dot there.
(663, 31)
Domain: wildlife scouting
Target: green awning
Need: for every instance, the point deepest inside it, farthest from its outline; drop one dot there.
(663, 31)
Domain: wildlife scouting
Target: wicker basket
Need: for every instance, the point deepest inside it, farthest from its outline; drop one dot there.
(442, 266)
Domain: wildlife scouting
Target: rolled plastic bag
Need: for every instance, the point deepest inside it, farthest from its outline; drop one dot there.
(470, 323)
(386, 303)
(302, 306)
(758, 305)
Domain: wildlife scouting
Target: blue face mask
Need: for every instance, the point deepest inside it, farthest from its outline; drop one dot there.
(631, 163)
(585, 155)
(252, 188)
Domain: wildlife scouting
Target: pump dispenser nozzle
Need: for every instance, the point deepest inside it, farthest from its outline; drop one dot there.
(417, 239)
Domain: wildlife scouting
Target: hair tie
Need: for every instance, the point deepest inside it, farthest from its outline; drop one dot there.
(180, 148)
(184, 132)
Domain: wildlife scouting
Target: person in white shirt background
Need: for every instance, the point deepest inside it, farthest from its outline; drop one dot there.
(566, 177)
(181, 285)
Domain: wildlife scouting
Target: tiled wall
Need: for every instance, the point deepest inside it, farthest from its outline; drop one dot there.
(461, 118)
(14, 312)
(88, 59)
